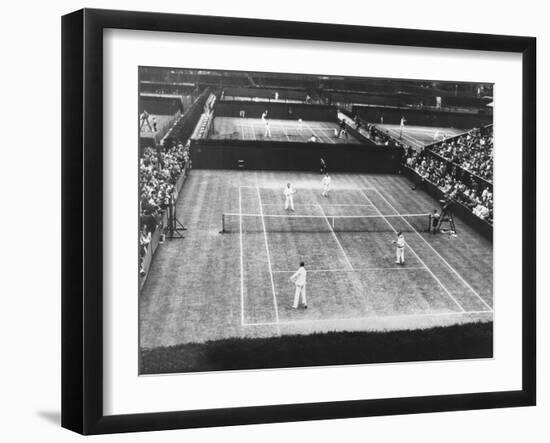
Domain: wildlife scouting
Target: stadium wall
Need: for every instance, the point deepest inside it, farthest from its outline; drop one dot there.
(151, 140)
(271, 155)
(266, 93)
(458, 209)
(279, 111)
(402, 99)
(356, 134)
(423, 117)
(161, 87)
(157, 104)
(181, 127)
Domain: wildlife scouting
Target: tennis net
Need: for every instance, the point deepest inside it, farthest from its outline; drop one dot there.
(236, 222)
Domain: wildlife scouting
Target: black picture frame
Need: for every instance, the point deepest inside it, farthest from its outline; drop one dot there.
(82, 221)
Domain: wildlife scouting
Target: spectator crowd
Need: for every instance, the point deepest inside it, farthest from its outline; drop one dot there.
(456, 184)
(159, 171)
(472, 152)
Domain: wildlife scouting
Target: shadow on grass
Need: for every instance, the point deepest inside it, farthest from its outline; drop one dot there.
(472, 340)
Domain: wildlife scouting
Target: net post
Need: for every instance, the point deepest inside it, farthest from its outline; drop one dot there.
(223, 223)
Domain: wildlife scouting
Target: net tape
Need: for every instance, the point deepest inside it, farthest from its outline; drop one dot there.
(237, 222)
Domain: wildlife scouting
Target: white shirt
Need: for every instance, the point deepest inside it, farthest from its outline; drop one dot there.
(288, 191)
(400, 241)
(299, 277)
(326, 181)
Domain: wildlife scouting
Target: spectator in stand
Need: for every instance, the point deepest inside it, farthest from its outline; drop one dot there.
(357, 122)
(158, 174)
(186, 157)
(472, 152)
(144, 240)
(381, 137)
(481, 211)
(434, 219)
(452, 182)
(342, 128)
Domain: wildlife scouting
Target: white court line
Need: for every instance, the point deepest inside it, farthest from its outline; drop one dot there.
(347, 204)
(320, 138)
(286, 125)
(421, 143)
(416, 255)
(284, 131)
(405, 135)
(336, 238)
(242, 258)
(401, 268)
(269, 261)
(438, 254)
(423, 129)
(251, 128)
(381, 317)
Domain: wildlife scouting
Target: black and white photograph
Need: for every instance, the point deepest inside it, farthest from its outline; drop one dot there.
(296, 220)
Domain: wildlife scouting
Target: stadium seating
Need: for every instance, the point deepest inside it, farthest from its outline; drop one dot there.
(160, 177)
(472, 151)
(456, 183)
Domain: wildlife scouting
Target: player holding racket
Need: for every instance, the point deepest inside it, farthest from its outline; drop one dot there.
(399, 249)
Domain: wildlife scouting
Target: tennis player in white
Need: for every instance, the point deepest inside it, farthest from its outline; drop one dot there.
(267, 132)
(402, 126)
(399, 249)
(326, 185)
(299, 279)
(289, 199)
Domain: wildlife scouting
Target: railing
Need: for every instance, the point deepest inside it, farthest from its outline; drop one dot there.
(480, 180)
(484, 227)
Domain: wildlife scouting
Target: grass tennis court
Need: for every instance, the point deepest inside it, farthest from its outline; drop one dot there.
(236, 128)
(212, 285)
(419, 136)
